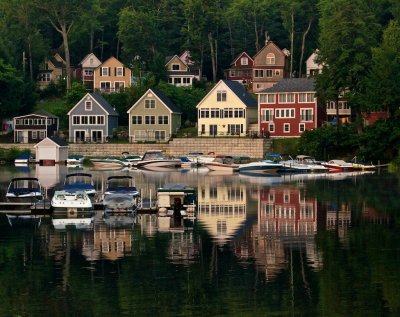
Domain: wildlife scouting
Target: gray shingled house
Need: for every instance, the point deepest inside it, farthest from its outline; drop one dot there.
(92, 119)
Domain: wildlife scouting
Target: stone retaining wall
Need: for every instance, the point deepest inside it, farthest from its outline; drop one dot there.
(254, 148)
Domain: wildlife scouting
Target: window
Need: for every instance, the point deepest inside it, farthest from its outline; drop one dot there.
(286, 127)
(150, 119)
(205, 113)
(271, 127)
(119, 85)
(232, 73)
(100, 120)
(48, 122)
(267, 115)
(306, 97)
(104, 71)
(221, 95)
(228, 113)
(268, 73)
(177, 81)
(270, 59)
(91, 61)
(45, 77)
(175, 67)
(258, 73)
(267, 98)
(203, 129)
(285, 113)
(105, 85)
(306, 115)
(119, 71)
(244, 61)
(92, 119)
(88, 105)
(34, 135)
(286, 98)
(277, 72)
(186, 80)
(88, 72)
(76, 120)
(159, 135)
(150, 104)
(238, 113)
(214, 112)
(84, 119)
(162, 119)
(137, 119)
(235, 129)
(42, 135)
(302, 127)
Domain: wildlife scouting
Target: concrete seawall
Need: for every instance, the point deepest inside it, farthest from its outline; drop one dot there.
(254, 148)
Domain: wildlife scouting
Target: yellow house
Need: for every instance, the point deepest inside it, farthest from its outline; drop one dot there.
(112, 76)
(228, 109)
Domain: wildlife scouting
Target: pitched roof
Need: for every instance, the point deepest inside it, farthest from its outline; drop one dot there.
(166, 100)
(58, 140)
(292, 85)
(55, 62)
(104, 103)
(241, 92)
(44, 113)
(240, 55)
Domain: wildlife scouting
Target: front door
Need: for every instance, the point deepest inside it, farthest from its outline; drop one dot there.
(79, 136)
(22, 136)
(213, 129)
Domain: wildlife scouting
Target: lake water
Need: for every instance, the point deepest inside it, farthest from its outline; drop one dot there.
(260, 246)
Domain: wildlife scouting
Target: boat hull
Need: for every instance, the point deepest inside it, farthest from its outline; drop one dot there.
(215, 166)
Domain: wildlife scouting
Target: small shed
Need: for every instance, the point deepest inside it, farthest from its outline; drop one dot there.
(51, 150)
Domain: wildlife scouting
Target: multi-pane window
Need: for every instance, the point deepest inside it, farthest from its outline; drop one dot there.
(92, 119)
(214, 113)
(150, 103)
(150, 119)
(76, 120)
(104, 71)
(159, 135)
(271, 127)
(175, 66)
(270, 59)
(119, 71)
(100, 120)
(284, 113)
(306, 97)
(186, 80)
(306, 115)
(267, 98)
(302, 127)
(221, 95)
(34, 135)
(137, 119)
(286, 98)
(286, 127)
(235, 129)
(244, 61)
(258, 73)
(204, 113)
(162, 119)
(268, 73)
(267, 115)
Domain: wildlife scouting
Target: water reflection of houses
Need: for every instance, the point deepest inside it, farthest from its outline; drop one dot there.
(222, 209)
(338, 218)
(287, 220)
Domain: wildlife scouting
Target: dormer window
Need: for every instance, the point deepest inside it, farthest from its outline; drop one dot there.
(88, 105)
(175, 66)
(244, 61)
(270, 59)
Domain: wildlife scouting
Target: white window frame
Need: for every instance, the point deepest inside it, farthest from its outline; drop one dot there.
(149, 103)
(175, 70)
(119, 71)
(269, 73)
(302, 127)
(76, 120)
(88, 105)
(42, 135)
(34, 135)
(160, 135)
(162, 120)
(270, 59)
(283, 113)
(286, 125)
(137, 120)
(259, 73)
(306, 96)
(244, 61)
(304, 114)
(285, 97)
(151, 119)
(221, 96)
(267, 115)
(271, 127)
(119, 85)
(105, 82)
(100, 120)
(104, 71)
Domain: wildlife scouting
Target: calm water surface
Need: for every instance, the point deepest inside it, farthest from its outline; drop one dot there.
(261, 246)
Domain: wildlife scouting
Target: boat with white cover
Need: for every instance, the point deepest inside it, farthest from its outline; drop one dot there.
(79, 182)
(338, 166)
(24, 189)
(121, 195)
(64, 201)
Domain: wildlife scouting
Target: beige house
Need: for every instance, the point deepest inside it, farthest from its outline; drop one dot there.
(153, 118)
(270, 66)
(313, 68)
(89, 63)
(112, 76)
(228, 109)
(178, 71)
(51, 70)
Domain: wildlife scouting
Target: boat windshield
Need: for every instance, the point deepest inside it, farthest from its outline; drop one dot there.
(153, 156)
(80, 178)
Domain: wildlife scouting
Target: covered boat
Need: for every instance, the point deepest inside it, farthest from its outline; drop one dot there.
(79, 182)
(71, 202)
(121, 195)
(338, 166)
(24, 189)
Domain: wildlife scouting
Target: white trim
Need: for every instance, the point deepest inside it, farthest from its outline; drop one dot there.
(93, 99)
(304, 127)
(145, 96)
(288, 124)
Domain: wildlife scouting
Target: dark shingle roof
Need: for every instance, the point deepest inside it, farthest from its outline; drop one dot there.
(44, 113)
(58, 141)
(104, 103)
(55, 62)
(241, 92)
(166, 100)
(292, 85)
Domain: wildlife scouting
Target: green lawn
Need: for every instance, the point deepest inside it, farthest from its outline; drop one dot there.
(56, 107)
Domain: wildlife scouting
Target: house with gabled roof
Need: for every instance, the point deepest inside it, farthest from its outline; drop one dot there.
(179, 72)
(52, 69)
(92, 119)
(88, 65)
(241, 69)
(228, 109)
(34, 127)
(270, 66)
(289, 108)
(112, 76)
(154, 117)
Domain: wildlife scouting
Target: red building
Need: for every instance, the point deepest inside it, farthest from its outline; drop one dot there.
(241, 69)
(289, 108)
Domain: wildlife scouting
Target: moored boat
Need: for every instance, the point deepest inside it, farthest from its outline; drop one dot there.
(223, 163)
(75, 159)
(260, 166)
(310, 162)
(121, 195)
(24, 189)
(71, 202)
(155, 158)
(361, 166)
(109, 163)
(23, 159)
(79, 182)
(338, 166)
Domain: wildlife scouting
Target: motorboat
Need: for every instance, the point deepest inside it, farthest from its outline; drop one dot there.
(23, 159)
(120, 195)
(199, 158)
(176, 200)
(71, 202)
(108, 163)
(155, 158)
(223, 163)
(260, 166)
(79, 182)
(338, 166)
(75, 159)
(23, 189)
(315, 167)
(289, 165)
(361, 166)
